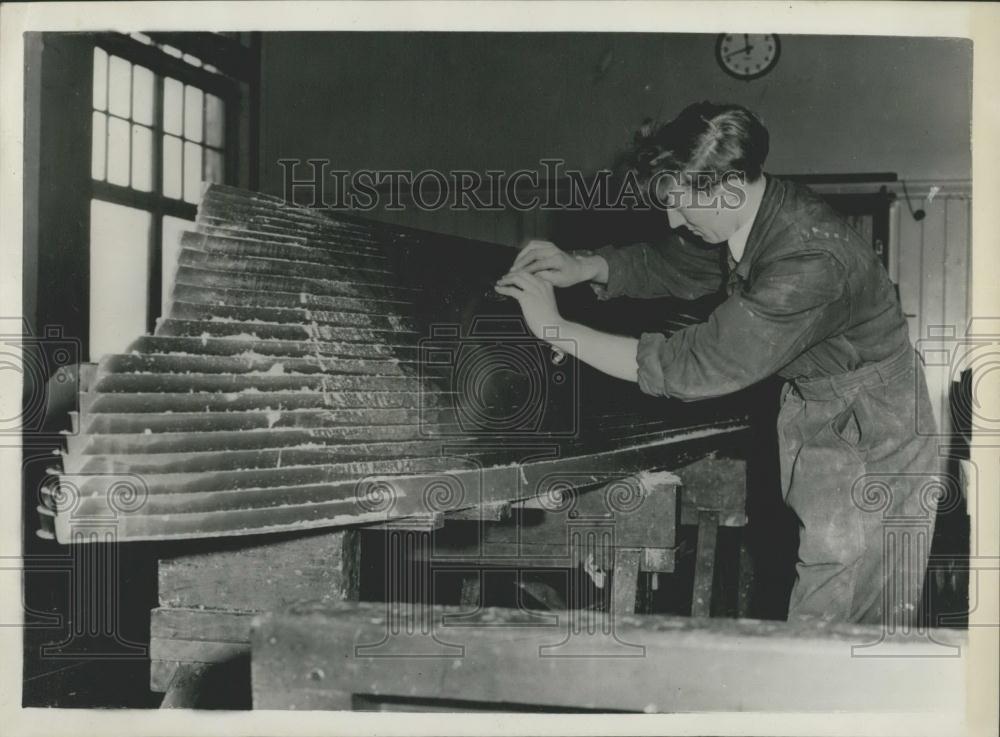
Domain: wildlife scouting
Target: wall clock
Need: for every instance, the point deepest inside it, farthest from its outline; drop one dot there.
(747, 55)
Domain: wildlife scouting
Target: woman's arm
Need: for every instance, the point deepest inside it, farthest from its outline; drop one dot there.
(615, 355)
(674, 268)
(546, 260)
(795, 302)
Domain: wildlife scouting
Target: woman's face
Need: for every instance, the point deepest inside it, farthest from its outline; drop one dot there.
(707, 215)
(712, 214)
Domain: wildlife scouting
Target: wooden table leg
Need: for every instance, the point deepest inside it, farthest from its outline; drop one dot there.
(704, 565)
(625, 581)
(185, 686)
(745, 582)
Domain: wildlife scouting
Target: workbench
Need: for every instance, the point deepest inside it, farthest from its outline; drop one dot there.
(339, 657)
(622, 531)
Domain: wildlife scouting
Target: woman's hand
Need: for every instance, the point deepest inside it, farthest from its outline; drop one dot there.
(536, 297)
(546, 261)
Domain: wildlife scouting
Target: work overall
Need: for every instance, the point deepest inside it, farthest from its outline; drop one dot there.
(810, 301)
(864, 486)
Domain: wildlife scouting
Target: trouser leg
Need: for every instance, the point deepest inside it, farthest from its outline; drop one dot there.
(866, 524)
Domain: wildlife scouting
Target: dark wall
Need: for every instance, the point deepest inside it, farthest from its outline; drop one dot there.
(466, 100)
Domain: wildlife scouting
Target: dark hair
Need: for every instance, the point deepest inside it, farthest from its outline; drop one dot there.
(705, 137)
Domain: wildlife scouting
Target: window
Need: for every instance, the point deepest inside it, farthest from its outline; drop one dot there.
(161, 127)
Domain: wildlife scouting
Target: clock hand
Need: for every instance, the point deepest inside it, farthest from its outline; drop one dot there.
(744, 50)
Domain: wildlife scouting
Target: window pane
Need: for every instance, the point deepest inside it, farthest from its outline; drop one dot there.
(192, 113)
(120, 87)
(119, 272)
(172, 167)
(142, 95)
(100, 79)
(142, 38)
(119, 135)
(171, 50)
(172, 230)
(215, 121)
(214, 167)
(98, 148)
(173, 106)
(142, 158)
(192, 60)
(192, 172)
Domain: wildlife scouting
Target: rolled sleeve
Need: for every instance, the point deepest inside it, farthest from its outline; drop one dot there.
(675, 268)
(651, 380)
(793, 304)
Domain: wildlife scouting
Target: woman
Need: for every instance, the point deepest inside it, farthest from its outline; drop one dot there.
(808, 300)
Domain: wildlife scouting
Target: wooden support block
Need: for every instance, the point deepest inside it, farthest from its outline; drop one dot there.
(267, 574)
(704, 565)
(209, 593)
(315, 659)
(658, 560)
(714, 485)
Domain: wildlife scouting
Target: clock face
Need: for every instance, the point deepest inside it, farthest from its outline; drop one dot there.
(747, 55)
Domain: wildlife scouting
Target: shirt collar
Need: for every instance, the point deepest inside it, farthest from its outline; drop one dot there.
(738, 240)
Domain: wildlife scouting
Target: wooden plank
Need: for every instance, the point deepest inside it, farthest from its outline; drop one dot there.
(488, 512)
(421, 523)
(196, 651)
(933, 262)
(958, 235)
(625, 581)
(309, 660)
(932, 306)
(957, 279)
(910, 269)
(195, 636)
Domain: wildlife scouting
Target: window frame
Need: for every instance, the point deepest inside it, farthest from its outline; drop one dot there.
(163, 65)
